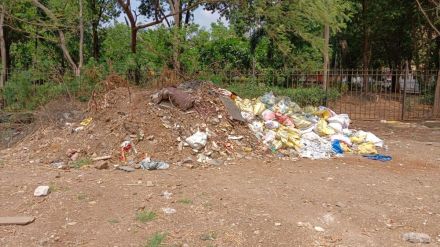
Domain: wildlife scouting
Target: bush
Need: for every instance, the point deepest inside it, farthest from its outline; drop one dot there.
(21, 94)
(303, 96)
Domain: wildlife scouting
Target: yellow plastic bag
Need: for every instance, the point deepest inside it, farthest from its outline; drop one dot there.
(245, 105)
(86, 121)
(258, 108)
(367, 148)
(277, 144)
(323, 129)
(345, 147)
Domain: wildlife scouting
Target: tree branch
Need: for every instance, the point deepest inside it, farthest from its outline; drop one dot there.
(427, 18)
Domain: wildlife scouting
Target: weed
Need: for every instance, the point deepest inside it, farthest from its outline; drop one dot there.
(185, 201)
(81, 162)
(113, 221)
(156, 240)
(145, 216)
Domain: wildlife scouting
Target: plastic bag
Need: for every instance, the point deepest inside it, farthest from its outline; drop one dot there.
(283, 119)
(324, 112)
(198, 140)
(314, 147)
(336, 126)
(282, 106)
(149, 164)
(341, 138)
(323, 129)
(257, 128)
(245, 105)
(272, 124)
(249, 117)
(268, 99)
(342, 119)
(336, 147)
(367, 148)
(269, 137)
(268, 115)
(259, 107)
(276, 144)
(370, 137)
(300, 122)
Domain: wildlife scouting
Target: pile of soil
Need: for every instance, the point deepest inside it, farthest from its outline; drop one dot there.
(156, 130)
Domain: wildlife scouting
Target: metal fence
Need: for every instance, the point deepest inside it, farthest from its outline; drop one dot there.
(364, 94)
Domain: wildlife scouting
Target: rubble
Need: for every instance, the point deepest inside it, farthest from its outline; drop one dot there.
(41, 191)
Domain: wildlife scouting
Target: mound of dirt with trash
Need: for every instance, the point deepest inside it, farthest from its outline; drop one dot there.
(126, 128)
(193, 124)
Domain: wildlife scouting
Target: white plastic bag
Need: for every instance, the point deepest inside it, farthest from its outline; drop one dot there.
(198, 140)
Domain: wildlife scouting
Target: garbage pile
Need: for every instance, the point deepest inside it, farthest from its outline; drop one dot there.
(309, 132)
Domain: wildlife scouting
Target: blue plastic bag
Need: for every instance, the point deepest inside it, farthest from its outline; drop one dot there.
(336, 147)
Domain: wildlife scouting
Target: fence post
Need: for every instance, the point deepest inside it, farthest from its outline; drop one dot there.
(404, 91)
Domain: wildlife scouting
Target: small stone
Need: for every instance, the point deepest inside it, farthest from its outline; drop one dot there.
(256, 232)
(150, 137)
(100, 165)
(74, 157)
(340, 205)
(58, 165)
(415, 237)
(214, 162)
(187, 160)
(41, 191)
(318, 229)
(126, 168)
(150, 184)
(277, 224)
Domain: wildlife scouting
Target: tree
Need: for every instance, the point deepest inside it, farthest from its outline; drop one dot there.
(62, 39)
(101, 11)
(2, 47)
(433, 20)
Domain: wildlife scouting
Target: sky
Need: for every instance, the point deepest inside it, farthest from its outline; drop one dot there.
(202, 17)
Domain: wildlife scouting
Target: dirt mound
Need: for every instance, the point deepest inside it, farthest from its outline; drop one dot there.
(158, 130)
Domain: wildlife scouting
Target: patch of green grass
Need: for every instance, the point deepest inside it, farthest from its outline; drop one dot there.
(81, 162)
(145, 216)
(113, 221)
(185, 201)
(53, 187)
(2, 164)
(156, 240)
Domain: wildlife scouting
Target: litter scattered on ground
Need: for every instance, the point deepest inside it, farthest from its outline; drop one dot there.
(42, 190)
(197, 140)
(167, 194)
(378, 157)
(415, 237)
(148, 164)
(169, 210)
(17, 220)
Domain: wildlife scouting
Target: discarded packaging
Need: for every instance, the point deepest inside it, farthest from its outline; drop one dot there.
(86, 121)
(197, 140)
(148, 164)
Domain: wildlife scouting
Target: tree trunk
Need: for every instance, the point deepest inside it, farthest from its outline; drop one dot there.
(436, 107)
(95, 40)
(176, 11)
(133, 44)
(3, 48)
(366, 46)
(81, 39)
(326, 55)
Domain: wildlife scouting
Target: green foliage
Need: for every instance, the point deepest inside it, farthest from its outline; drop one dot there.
(145, 216)
(156, 240)
(21, 93)
(81, 162)
(185, 201)
(314, 96)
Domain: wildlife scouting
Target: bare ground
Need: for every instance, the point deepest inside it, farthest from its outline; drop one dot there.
(250, 201)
